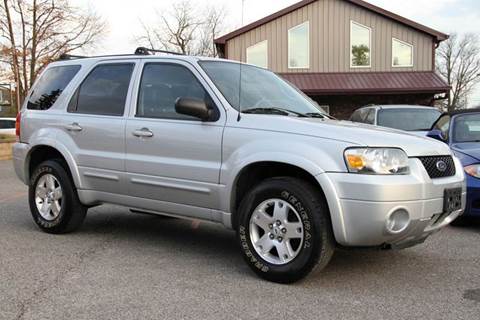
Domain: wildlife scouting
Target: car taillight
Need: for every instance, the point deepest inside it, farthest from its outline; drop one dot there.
(17, 125)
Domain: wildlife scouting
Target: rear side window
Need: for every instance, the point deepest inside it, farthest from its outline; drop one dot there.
(7, 124)
(50, 86)
(104, 91)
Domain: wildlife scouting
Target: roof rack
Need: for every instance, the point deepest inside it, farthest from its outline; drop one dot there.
(65, 56)
(146, 51)
(140, 51)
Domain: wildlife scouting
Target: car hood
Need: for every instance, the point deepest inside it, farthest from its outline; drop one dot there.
(354, 133)
(467, 150)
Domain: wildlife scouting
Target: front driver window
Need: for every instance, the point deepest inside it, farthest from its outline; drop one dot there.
(161, 85)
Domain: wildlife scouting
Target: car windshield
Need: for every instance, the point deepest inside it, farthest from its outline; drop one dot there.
(261, 91)
(408, 119)
(466, 128)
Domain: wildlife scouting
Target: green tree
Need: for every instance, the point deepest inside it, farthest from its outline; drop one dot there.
(360, 55)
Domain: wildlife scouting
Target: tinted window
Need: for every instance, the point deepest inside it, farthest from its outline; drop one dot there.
(370, 117)
(162, 85)
(360, 115)
(104, 91)
(466, 128)
(7, 124)
(408, 119)
(443, 124)
(355, 116)
(50, 85)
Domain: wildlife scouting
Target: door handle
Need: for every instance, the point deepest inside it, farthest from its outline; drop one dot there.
(143, 133)
(74, 127)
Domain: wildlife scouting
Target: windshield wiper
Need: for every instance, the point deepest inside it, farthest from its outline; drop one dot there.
(314, 115)
(286, 112)
(271, 110)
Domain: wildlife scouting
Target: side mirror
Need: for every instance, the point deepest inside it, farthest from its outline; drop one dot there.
(194, 107)
(437, 135)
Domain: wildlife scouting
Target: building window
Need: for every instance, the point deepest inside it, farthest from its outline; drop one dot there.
(402, 53)
(258, 54)
(360, 44)
(299, 46)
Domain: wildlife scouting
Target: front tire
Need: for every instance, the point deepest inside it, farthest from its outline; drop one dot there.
(284, 230)
(53, 199)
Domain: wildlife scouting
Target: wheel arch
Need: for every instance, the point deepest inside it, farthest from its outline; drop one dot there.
(255, 172)
(46, 151)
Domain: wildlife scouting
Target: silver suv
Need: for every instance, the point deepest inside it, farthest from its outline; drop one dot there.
(234, 144)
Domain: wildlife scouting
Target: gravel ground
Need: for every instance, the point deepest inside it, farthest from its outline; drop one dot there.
(131, 266)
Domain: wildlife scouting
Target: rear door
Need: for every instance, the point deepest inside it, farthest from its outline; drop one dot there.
(95, 122)
(172, 157)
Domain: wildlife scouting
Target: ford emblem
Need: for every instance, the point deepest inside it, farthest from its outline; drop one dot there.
(441, 166)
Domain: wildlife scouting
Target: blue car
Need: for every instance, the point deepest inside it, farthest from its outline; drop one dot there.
(461, 131)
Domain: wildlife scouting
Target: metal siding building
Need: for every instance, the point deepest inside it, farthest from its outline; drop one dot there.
(330, 73)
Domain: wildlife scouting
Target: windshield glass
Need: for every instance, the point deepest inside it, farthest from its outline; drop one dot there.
(466, 128)
(408, 119)
(260, 89)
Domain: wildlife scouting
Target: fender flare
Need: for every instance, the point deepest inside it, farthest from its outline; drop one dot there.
(48, 142)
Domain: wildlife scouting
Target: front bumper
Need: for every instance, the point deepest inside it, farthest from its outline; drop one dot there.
(360, 205)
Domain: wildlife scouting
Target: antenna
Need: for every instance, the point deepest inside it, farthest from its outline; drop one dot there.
(241, 64)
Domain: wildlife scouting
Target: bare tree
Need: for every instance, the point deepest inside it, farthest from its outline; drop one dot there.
(458, 61)
(212, 27)
(181, 30)
(35, 32)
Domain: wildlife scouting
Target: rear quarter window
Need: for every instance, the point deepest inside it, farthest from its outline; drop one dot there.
(50, 86)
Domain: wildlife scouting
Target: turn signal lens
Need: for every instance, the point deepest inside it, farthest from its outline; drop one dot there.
(355, 161)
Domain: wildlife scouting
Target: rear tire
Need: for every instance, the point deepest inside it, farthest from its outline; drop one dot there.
(284, 230)
(53, 199)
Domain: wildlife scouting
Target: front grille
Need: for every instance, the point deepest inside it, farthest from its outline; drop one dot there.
(432, 167)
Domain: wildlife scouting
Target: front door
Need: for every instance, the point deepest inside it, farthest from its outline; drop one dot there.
(173, 158)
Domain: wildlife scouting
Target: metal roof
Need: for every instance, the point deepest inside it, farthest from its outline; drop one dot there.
(439, 36)
(368, 82)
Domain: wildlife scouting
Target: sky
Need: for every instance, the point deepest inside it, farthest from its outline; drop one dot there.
(125, 17)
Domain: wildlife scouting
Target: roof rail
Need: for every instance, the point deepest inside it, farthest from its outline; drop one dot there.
(146, 51)
(65, 56)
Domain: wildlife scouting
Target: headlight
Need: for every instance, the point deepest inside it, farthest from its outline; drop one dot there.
(377, 161)
(473, 170)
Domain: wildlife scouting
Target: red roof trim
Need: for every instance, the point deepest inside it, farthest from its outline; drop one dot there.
(439, 36)
(368, 82)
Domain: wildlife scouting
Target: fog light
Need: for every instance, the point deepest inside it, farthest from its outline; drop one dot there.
(398, 221)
